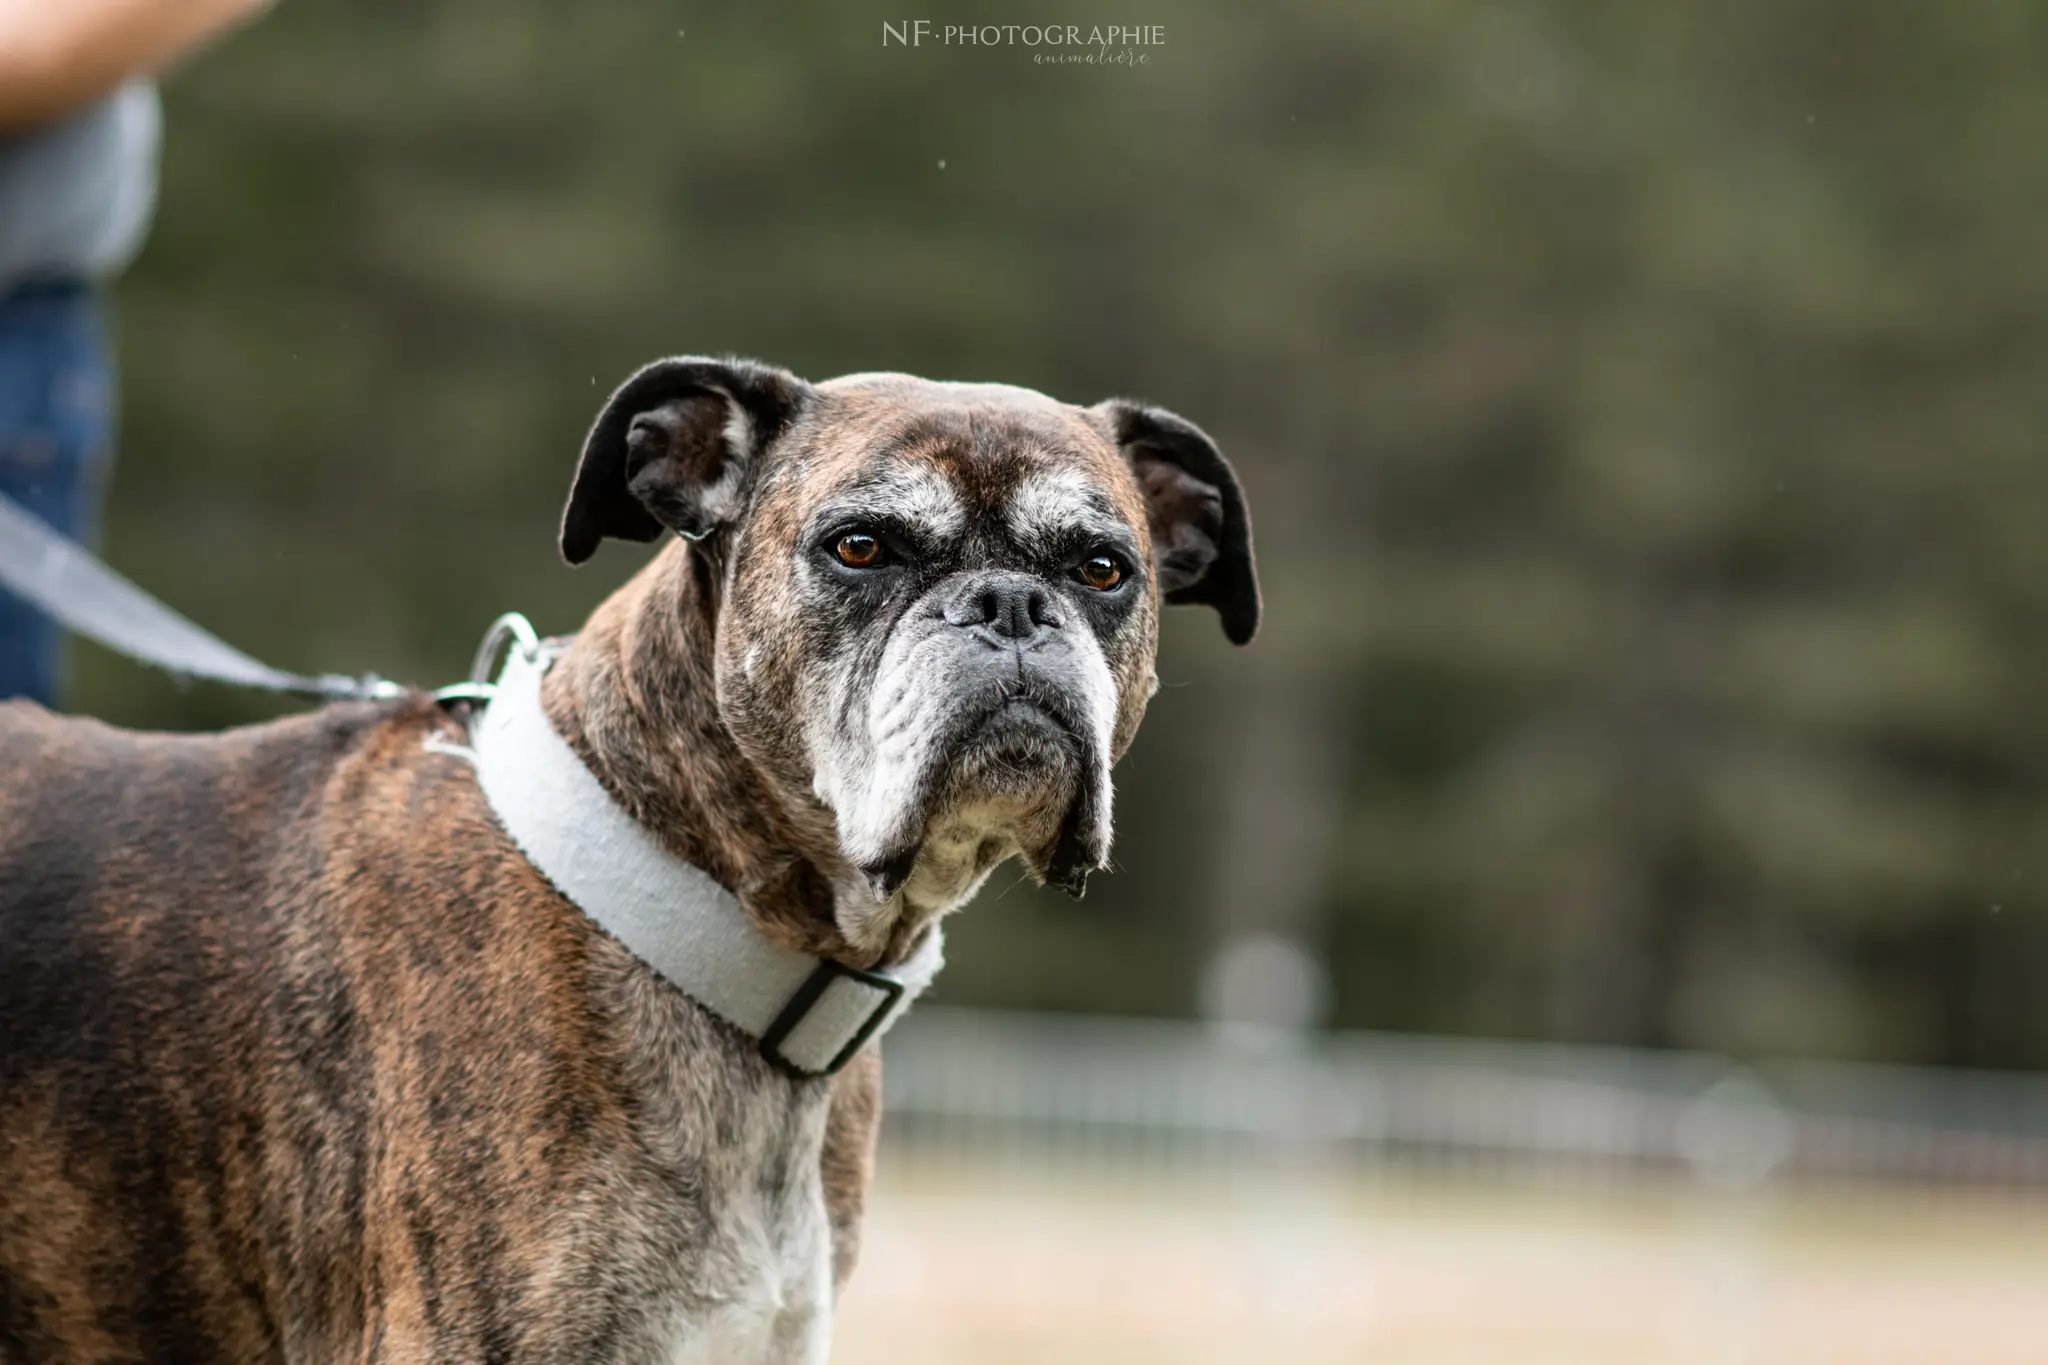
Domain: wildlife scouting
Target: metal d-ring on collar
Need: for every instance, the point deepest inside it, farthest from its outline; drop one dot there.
(478, 688)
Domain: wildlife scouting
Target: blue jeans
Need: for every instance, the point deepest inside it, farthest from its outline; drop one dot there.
(56, 439)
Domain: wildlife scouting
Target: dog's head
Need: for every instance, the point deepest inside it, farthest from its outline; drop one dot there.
(937, 604)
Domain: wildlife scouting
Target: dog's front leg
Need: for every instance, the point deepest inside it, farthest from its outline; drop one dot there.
(848, 1160)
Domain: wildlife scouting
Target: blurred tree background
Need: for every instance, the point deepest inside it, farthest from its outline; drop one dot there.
(1641, 408)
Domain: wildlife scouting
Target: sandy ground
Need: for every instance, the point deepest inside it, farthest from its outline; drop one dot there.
(989, 1266)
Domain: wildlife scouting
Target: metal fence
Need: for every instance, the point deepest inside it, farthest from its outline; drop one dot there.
(1108, 1091)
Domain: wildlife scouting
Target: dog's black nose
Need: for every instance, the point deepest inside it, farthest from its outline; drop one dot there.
(1009, 608)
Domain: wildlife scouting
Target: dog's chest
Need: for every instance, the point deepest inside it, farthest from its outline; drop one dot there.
(766, 1296)
(719, 1216)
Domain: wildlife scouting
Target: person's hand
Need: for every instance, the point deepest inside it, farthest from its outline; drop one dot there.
(59, 55)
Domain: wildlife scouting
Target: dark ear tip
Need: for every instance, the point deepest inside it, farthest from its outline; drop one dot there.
(1238, 607)
(578, 544)
(1244, 609)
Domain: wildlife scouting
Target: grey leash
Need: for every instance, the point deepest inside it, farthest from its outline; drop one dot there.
(86, 596)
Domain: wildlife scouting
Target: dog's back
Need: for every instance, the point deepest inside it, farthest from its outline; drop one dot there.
(145, 885)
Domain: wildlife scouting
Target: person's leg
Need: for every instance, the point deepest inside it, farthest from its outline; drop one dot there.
(56, 436)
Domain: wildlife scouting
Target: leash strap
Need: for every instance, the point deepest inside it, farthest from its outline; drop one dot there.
(84, 595)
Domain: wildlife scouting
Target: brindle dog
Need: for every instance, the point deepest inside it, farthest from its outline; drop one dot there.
(301, 1060)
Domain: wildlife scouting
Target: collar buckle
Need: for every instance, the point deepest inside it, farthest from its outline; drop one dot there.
(808, 995)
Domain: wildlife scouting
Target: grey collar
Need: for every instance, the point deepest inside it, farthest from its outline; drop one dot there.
(811, 1015)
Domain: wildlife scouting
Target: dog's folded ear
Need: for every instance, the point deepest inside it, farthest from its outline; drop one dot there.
(1201, 532)
(673, 448)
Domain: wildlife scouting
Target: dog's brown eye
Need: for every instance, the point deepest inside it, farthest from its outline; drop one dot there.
(858, 551)
(1101, 573)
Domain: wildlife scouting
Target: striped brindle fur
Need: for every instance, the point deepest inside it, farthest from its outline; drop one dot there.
(300, 1060)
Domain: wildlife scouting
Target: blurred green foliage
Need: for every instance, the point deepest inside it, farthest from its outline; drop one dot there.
(1641, 407)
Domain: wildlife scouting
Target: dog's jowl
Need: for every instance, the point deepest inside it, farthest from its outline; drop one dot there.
(308, 1054)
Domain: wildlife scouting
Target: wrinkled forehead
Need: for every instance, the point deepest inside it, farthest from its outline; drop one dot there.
(947, 458)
